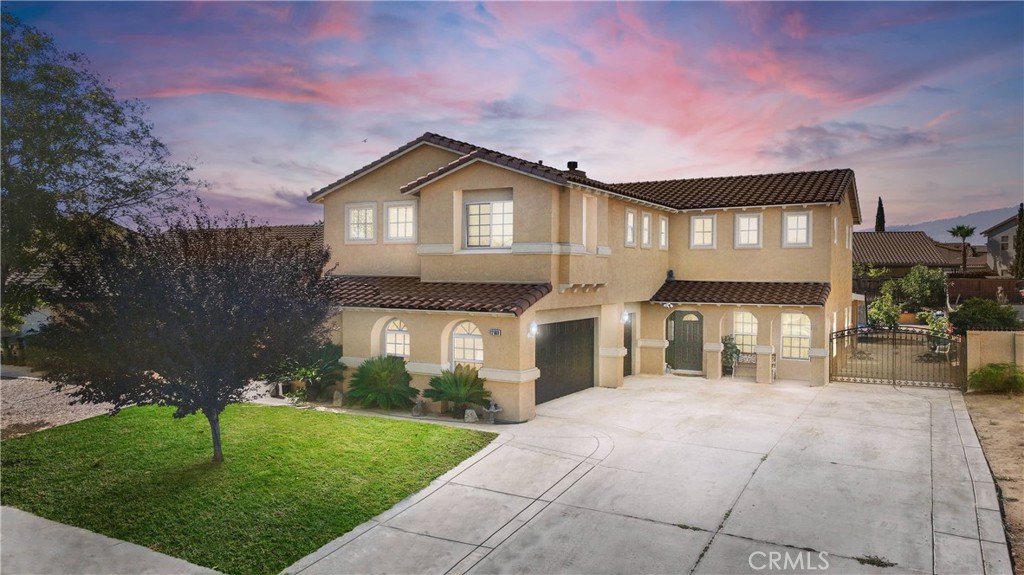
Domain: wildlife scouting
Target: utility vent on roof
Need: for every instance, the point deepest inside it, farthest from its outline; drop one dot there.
(574, 169)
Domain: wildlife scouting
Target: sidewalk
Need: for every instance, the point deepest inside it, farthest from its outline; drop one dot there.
(37, 546)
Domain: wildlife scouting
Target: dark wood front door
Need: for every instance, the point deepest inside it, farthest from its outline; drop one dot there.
(684, 331)
(565, 358)
(627, 342)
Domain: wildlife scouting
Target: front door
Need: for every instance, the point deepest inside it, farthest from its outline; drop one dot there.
(627, 342)
(684, 331)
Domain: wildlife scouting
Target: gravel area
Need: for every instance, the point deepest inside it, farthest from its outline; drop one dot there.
(27, 405)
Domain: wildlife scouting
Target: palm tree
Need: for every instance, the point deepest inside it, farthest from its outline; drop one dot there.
(963, 232)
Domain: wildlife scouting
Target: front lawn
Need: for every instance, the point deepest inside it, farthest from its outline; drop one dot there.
(292, 480)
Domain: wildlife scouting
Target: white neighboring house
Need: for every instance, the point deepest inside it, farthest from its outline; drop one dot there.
(1001, 250)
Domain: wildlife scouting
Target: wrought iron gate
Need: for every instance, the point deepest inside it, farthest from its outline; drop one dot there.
(902, 355)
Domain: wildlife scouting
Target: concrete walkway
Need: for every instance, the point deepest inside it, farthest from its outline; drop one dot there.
(37, 546)
(683, 475)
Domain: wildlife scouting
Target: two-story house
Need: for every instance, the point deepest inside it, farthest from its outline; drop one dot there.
(551, 282)
(999, 241)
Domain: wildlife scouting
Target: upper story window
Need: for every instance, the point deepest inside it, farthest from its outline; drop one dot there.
(702, 231)
(835, 231)
(744, 330)
(645, 230)
(467, 344)
(400, 221)
(796, 336)
(796, 229)
(748, 230)
(630, 227)
(361, 223)
(489, 224)
(1004, 243)
(662, 233)
(396, 339)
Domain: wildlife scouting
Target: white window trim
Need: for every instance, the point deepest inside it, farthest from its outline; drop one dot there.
(785, 230)
(387, 331)
(714, 232)
(662, 238)
(782, 336)
(415, 221)
(646, 230)
(760, 232)
(477, 336)
(630, 238)
(736, 332)
(465, 228)
(849, 237)
(835, 231)
(349, 208)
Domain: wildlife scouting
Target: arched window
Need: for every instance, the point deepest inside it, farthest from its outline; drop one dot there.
(796, 336)
(744, 329)
(467, 344)
(396, 339)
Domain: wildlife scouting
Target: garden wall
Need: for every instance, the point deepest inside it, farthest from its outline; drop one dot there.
(984, 347)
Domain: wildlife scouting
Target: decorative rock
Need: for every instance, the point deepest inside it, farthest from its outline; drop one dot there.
(419, 409)
(338, 397)
(471, 416)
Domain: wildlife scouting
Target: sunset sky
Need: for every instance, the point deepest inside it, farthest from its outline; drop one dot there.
(272, 100)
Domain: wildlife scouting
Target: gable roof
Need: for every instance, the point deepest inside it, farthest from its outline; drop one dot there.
(1005, 224)
(795, 188)
(409, 293)
(749, 293)
(897, 249)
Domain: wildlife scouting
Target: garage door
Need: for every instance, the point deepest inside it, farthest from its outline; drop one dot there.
(565, 357)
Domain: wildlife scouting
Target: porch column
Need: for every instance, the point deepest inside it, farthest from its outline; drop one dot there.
(764, 363)
(610, 349)
(819, 366)
(713, 360)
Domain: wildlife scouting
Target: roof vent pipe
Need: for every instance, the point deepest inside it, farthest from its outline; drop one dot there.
(574, 165)
(574, 169)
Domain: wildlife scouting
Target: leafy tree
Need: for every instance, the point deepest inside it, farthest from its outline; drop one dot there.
(964, 232)
(922, 287)
(74, 159)
(1018, 245)
(880, 216)
(977, 313)
(884, 311)
(185, 317)
(869, 271)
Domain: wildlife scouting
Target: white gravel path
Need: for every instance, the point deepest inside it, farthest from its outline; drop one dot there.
(28, 405)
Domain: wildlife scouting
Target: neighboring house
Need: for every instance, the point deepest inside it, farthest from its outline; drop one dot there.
(1001, 250)
(977, 257)
(551, 282)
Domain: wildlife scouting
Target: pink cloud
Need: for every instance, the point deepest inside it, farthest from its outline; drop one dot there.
(793, 25)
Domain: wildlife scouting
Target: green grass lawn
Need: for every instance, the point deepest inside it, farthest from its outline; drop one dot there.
(292, 480)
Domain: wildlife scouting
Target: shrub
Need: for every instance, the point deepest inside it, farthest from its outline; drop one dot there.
(922, 287)
(883, 312)
(462, 387)
(730, 351)
(321, 370)
(997, 378)
(977, 313)
(382, 382)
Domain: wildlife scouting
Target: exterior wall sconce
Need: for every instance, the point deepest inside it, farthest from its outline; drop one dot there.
(625, 317)
(532, 330)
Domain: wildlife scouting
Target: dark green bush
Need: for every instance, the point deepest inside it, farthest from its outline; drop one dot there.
(462, 387)
(382, 382)
(977, 313)
(997, 378)
(322, 369)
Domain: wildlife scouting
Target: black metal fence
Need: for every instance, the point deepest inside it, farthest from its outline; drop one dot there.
(903, 355)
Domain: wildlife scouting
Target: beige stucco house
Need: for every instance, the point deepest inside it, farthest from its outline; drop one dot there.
(551, 281)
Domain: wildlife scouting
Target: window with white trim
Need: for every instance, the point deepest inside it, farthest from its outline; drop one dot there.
(744, 330)
(849, 237)
(467, 344)
(630, 227)
(645, 230)
(748, 230)
(489, 224)
(835, 231)
(796, 336)
(361, 222)
(396, 339)
(1004, 243)
(796, 229)
(662, 233)
(400, 221)
(702, 231)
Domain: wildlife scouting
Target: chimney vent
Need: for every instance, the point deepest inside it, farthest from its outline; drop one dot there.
(574, 169)
(573, 166)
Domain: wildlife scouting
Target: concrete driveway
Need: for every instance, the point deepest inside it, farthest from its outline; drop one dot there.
(683, 475)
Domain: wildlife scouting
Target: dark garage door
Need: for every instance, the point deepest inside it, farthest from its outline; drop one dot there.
(565, 357)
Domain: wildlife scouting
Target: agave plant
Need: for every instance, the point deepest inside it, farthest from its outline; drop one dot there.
(462, 386)
(382, 382)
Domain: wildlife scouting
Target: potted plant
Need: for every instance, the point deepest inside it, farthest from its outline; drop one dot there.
(730, 353)
(462, 387)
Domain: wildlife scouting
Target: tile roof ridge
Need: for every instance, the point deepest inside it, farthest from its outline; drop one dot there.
(671, 180)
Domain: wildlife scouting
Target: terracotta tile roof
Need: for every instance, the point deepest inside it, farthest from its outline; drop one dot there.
(410, 293)
(977, 258)
(300, 233)
(826, 186)
(896, 249)
(753, 293)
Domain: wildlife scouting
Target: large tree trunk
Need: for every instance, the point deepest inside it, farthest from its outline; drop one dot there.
(214, 419)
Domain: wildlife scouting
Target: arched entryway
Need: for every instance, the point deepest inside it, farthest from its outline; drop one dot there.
(684, 331)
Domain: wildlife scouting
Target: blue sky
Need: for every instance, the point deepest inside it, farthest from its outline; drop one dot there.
(925, 101)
